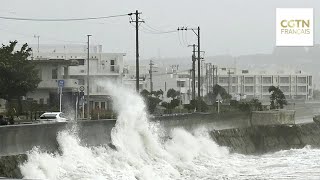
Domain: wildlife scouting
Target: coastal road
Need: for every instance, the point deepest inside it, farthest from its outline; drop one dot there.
(306, 111)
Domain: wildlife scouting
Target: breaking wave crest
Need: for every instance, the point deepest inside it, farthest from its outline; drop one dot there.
(141, 154)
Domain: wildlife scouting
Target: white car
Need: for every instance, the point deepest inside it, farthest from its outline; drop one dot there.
(52, 117)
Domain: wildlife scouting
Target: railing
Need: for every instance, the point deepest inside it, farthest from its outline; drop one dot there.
(102, 70)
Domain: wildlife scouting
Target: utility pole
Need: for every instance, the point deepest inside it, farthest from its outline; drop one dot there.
(229, 81)
(193, 71)
(136, 21)
(217, 78)
(38, 37)
(199, 58)
(88, 93)
(213, 76)
(150, 71)
(207, 78)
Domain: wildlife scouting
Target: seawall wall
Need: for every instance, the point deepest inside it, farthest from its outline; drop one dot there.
(264, 139)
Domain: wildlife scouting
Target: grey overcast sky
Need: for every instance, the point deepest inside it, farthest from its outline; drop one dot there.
(235, 27)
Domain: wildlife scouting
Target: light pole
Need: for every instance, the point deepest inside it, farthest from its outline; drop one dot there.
(38, 37)
(88, 93)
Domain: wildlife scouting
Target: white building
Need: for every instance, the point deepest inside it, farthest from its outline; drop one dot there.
(129, 79)
(71, 66)
(255, 84)
(179, 81)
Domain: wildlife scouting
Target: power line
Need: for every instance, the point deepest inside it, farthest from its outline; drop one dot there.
(180, 40)
(56, 20)
(155, 31)
(46, 38)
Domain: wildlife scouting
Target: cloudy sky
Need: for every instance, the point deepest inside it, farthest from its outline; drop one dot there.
(227, 26)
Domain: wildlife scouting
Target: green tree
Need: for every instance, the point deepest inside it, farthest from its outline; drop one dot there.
(217, 89)
(144, 93)
(252, 105)
(18, 75)
(171, 93)
(157, 93)
(277, 98)
(151, 102)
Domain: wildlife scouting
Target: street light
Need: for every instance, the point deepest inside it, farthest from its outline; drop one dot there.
(88, 94)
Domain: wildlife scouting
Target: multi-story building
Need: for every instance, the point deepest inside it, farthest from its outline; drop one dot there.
(129, 79)
(255, 84)
(179, 81)
(71, 66)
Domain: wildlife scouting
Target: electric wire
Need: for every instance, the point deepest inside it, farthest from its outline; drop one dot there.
(156, 31)
(180, 39)
(46, 38)
(61, 20)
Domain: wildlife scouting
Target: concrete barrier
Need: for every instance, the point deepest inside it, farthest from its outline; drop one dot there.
(274, 117)
(18, 139)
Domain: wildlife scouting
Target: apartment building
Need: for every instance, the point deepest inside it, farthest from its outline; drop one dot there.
(129, 77)
(255, 84)
(177, 80)
(71, 66)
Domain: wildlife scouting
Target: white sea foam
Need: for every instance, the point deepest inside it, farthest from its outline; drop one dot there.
(140, 154)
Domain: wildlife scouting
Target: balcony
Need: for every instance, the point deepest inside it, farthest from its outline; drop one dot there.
(49, 84)
(101, 71)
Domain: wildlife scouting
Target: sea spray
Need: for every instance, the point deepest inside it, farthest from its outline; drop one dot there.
(140, 154)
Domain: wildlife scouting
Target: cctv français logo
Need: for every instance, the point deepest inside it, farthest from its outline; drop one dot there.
(294, 27)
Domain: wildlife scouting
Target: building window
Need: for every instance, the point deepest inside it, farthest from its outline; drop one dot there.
(234, 79)
(248, 89)
(41, 101)
(302, 89)
(266, 80)
(81, 61)
(234, 89)
(285, 89)
(103, 105)
(284, 80)
(54, 73)
(112, 65)
(248, 80)
(265, 89)
(302, 80)
(96, 105)
(310, 80)
(180, 84)
(91, 105)
(223, 79)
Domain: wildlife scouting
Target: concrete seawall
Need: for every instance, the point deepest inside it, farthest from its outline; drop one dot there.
(263, 139)
(19, 139)
(15, 141)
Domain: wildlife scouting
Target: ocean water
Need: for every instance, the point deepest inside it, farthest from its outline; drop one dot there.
(142, 154)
